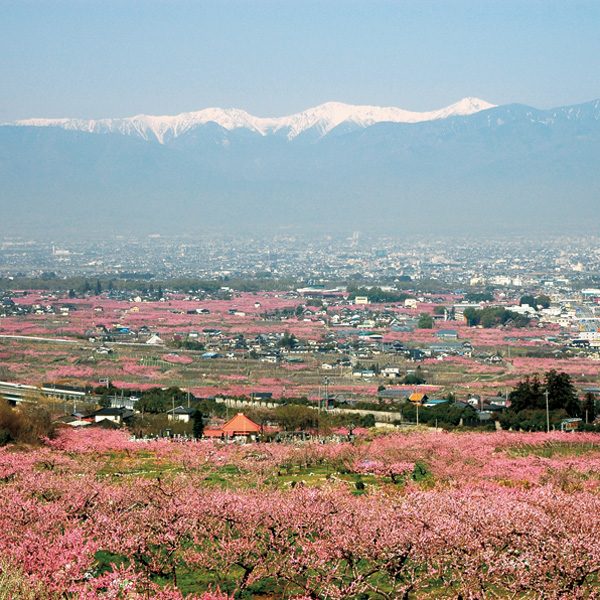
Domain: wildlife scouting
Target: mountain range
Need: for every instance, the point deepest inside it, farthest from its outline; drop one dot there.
(319, 120)
(470, 168)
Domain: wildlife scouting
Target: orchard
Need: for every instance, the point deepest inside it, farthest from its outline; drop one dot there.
(94, 514)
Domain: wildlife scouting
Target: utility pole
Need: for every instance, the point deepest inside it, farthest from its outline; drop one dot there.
(547, 412)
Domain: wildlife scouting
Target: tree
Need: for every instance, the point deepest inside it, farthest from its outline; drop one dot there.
(529, 300)
(562, 393)
(105, 402)
(288, 341)
(528, 402)
(297, 418)
(543, 301)
(472, 316)
(159, 401)
(529, 394)
(493, 316)
(425, 321)
(367, 420)
(479, 297)
(198, 425)
(98, 288)
(588, 407)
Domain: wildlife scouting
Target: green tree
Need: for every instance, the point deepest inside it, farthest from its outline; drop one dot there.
(528, 402)
(413, 379)
(588, 408)
(488, 319)
(98, 288)
(105, 401)
(198, 425)
(529, 394)
(479, 297)
(288, 341)
(529, 300)
(562, 393)
(160, 400)
(543, 301)
(425, 321)
(472, 316)
(297, 418)
(367, 420)
(151, 404)
(493, 316)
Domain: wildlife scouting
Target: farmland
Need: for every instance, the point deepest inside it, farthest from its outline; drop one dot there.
(94, 515)
(85, 340)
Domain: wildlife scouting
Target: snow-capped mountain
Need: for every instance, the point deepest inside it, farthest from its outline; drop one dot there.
(321, 119)
(346, 168)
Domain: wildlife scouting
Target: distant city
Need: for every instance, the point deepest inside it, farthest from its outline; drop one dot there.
(512, 262)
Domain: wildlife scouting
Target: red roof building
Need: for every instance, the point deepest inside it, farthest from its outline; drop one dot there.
(239, 426)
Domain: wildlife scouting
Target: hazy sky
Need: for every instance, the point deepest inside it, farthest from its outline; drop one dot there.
(118, 58)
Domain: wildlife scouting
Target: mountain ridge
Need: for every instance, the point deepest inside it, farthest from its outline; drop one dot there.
(320, 119)
(508, 168)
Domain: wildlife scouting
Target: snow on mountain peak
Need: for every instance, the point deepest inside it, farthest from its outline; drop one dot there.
(321, 119)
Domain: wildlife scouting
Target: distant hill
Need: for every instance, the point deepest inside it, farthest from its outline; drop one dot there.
(470, 167)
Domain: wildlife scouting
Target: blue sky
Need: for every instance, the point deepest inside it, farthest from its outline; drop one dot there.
(118, 58)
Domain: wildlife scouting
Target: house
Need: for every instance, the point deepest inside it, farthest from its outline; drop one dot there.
(390, 372)
(155, 341)
(239, 426)
(418, 398)
(446, 347)
(446, 334)
(180, 413)
(116, 415)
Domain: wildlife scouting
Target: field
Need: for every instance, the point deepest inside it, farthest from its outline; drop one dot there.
(63, 348)
(422, 515)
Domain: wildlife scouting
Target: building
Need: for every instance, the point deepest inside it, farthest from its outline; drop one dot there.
(180, 413)
(446, 334)
(116, 415)
(239, 426)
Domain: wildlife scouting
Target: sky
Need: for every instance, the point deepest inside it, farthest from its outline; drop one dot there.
(119, 58)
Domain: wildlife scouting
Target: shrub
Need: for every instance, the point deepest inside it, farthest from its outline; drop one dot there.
(27, 424)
